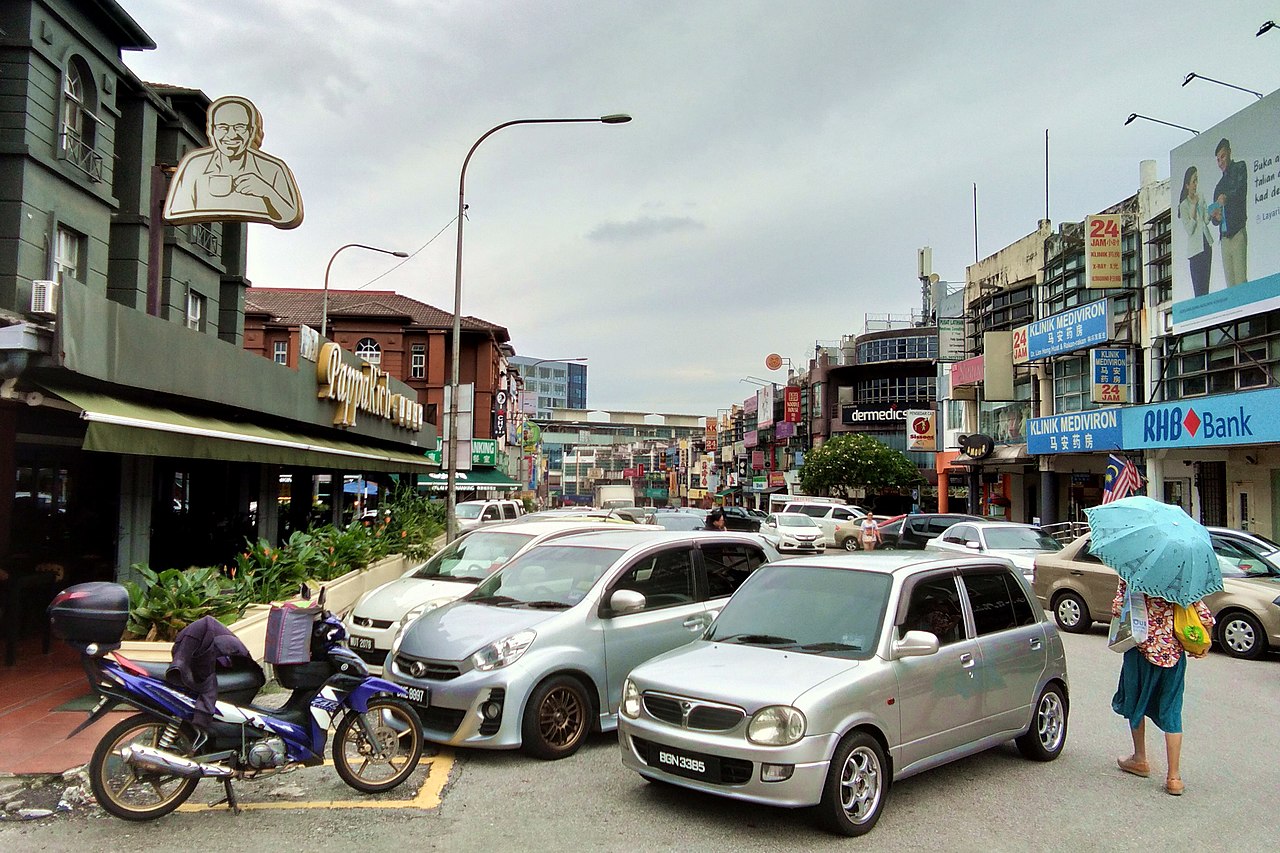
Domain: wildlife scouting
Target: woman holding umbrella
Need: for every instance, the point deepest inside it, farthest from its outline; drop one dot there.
(1165, 556)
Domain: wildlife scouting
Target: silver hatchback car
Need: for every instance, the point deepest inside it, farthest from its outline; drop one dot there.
(536, 654)
(879, 666)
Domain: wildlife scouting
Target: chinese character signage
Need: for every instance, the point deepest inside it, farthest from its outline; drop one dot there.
(1075, 432)
(791, 404)
(1102, 251)
(484, 451)
(1075, 329)
(1110, 369)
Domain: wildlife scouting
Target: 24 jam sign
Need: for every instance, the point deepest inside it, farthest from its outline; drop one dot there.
(1102, 251)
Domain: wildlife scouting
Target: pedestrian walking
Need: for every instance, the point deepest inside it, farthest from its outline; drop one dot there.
(869, 533)
(1152, 681)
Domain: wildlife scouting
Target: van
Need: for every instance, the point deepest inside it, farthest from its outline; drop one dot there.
(827, 513)
(473, 514)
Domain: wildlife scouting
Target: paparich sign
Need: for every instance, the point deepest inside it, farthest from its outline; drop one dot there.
(362, 388)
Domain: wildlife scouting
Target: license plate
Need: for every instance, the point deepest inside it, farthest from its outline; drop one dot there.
(364, 644)
(419, 695)
(694, 765)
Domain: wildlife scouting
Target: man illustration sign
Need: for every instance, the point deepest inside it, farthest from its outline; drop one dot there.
(234, 179)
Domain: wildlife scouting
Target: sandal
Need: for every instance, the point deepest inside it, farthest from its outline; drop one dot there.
(1173, 787)
(1134, 767)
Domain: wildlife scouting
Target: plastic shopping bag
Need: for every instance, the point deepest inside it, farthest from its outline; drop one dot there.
(1189, 630)
(1130, 627)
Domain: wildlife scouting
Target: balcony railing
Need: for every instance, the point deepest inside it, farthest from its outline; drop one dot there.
(204, 238)
(74, 150)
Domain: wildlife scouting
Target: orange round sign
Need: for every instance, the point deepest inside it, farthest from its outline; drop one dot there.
(773, 361)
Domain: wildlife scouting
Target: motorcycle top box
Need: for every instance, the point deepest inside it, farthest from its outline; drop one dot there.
(90, 613)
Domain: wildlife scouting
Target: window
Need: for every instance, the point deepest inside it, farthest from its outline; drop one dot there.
(418, 362)
(369, 350)
(664, 579)
(728, 566)
(282, 352)
(77, 132)
(994, 607)
(68, 255)
(195, 310)
(935, 607)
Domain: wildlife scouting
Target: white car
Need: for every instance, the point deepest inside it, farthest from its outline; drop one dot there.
(451, 573)
(791, 532)
(827, 514)
(1020, 544)
(473, 514)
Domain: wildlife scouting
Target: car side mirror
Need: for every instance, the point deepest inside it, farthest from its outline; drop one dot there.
(626, 601)
(915, 644)
(973, 546)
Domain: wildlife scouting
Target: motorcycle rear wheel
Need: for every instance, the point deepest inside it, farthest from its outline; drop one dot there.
(372, 768)
(134, 793)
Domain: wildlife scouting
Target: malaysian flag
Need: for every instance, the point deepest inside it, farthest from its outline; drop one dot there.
(1122, 480)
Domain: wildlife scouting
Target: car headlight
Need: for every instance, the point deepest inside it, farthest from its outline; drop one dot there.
(504, 652)
(630, 699)
(777, 725)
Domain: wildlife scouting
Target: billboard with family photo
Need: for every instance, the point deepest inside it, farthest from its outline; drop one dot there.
(1225, 185)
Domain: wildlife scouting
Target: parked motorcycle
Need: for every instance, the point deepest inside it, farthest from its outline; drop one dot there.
(149, 764)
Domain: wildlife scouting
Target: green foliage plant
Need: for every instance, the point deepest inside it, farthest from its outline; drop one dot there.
(855, 460)
(163, 603)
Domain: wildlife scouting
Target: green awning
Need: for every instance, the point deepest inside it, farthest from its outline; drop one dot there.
(121, 426)
(475, 480)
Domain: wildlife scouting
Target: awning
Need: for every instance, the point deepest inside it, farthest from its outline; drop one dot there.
(120, 426)
(475, 480)
(1004, 454)
(732, 490)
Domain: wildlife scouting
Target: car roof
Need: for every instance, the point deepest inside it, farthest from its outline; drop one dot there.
(984, 525)
(556, 525)
(891, 562)
(790, 515)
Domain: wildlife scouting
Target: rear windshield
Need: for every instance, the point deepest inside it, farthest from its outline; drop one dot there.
(473, 558)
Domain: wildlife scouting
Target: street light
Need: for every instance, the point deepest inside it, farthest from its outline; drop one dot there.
(324, 312)
(1132, 116)
(1269, 25)
(1194, 76)
(451, 523)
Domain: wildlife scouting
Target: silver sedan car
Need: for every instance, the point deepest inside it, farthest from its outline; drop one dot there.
(879, 666)
(534, 657)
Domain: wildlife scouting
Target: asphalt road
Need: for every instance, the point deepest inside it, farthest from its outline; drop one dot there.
(993, 801)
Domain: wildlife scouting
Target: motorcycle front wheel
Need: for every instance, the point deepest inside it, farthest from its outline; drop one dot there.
(135, 793)
(383, 762)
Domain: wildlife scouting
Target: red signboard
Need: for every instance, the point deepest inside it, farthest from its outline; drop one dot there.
(757, 459)
(630, 472)
(966, 372)
(791, 404)
(776, 479)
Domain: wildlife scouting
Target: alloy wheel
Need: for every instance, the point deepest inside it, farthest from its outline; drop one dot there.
(1050, 721)
(561, 717)
(860, 784)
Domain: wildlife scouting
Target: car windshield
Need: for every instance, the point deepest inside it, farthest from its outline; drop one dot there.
(679, 521)
(473, 558)
(796, 521)
(468, 510)
(550, 576)
(1020, 539)
(835, 612)
(1238, 560)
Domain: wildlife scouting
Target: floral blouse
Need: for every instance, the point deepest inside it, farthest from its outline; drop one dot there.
(1161, 646)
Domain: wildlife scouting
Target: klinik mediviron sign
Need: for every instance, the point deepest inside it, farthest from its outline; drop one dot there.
(364, 388)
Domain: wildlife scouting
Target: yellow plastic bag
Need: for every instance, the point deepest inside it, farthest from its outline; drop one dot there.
(1190, 630)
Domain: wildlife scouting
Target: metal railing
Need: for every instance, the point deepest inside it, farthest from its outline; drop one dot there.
(82, 156)
(1066, 531)
(204, 238)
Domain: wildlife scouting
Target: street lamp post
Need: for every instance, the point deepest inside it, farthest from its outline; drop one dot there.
(1133, 116)
(324, 311)
(451, 523)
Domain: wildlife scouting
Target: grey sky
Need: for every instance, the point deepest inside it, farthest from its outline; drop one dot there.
(784, 165)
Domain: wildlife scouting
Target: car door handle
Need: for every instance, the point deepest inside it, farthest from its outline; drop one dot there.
(1035, 643)
(1077, 573)
(694, 623)
(966, 661)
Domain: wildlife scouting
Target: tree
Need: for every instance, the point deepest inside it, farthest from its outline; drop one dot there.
(855, 460)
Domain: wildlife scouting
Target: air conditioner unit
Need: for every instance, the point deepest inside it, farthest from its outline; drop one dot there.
(951, 438)
(44, 297)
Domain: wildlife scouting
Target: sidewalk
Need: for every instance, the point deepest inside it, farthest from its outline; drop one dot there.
(32, 734)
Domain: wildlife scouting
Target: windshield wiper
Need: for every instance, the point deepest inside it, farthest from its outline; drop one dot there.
(545, 604)
(755, 639)
(498, 600)
(830, 647)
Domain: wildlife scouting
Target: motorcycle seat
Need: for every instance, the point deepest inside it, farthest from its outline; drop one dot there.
(237, 685)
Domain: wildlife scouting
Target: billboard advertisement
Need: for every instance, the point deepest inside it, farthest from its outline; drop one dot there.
(1226, 219)
(922, 433)
(1102, 251)
(764, 415)
(791, 404)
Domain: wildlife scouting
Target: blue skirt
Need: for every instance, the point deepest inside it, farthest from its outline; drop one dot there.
(1147, 690)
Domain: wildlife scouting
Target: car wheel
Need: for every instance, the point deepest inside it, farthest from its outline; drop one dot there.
(1240, 636)
(1071, 613)
(1048, 732)
(557, 718)
(857, 785)
(850, 544)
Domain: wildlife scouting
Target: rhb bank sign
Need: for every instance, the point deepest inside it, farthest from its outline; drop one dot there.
(1229, 419)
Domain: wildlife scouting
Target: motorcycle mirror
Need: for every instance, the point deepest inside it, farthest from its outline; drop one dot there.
(320, 600)
(304, 592)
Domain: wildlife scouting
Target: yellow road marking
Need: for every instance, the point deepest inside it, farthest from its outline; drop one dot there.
(428, 796)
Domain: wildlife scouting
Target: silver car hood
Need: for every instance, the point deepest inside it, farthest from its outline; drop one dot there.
(734, 673)
(458, 630)
(393, 600)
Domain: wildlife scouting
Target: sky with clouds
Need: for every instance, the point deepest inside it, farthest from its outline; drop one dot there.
(785, 161)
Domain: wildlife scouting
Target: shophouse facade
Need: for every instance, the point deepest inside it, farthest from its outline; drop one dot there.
(134, 425)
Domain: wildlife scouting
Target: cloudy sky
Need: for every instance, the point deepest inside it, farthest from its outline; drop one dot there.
(785, 162)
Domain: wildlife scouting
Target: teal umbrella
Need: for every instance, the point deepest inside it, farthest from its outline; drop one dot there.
(1157, 548)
